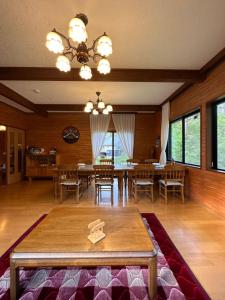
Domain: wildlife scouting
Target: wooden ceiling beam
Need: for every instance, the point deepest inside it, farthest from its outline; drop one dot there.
(116, 108)
(116, 75)
(19, 99)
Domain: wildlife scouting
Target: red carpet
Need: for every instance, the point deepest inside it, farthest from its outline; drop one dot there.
(175, 279)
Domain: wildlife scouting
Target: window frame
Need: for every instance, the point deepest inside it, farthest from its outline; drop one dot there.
(182, 119)
(214, 140)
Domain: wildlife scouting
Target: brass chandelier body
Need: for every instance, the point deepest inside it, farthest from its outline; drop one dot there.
(99, 107)
(98, 52)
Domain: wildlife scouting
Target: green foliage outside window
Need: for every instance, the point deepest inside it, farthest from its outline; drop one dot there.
(221, 136)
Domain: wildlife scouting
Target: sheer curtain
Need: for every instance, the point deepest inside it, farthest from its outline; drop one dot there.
(125, 125)
(99, 125)
(164, 132)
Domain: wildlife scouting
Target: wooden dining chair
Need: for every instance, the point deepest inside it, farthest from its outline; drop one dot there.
(104, 179)
(151, 161)
(70, 182)
(106, 161)
(143, 180)
(172, 181)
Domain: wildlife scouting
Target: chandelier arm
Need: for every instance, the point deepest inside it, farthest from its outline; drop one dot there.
(94, 42)
(65, 38)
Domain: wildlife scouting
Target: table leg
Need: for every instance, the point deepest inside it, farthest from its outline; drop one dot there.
(120, 184)
(14, 280)
(152, 279)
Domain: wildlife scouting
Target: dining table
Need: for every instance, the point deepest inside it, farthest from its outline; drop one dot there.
(123, 172)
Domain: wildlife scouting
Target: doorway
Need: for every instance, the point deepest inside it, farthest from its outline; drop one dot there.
(15, 154)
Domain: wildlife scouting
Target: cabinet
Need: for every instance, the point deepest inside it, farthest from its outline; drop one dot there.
(41, 165)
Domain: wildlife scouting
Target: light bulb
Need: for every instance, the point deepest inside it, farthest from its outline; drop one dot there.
(54, 42)
(109, 107)
(104, 66)
(85, 72)
(104, 46)
(105, 111)
(94, 112)
(2, 128)
(63, 63)
(87, 109)
(101, 104)
(89, 104)
(77, 30)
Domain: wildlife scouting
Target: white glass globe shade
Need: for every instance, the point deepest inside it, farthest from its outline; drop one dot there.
(85, 72)
(77, 30)
(104, 66)
(109, 107)
(104, 46)
(94, 112)
(87, 109)
(89, 104)
(63, 63)
(105, 111)
(101, 104)
(54, 42)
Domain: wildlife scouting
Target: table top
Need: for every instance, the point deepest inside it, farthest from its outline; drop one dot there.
(65, 231)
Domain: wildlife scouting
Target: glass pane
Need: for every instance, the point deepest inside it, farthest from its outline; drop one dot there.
(221, 136)
(12, 152)
(176, 140)
(119, 154)
(192, 139)
(106, 151)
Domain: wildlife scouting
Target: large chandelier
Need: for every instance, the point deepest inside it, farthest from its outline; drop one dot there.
(99, 51)
(99, 107)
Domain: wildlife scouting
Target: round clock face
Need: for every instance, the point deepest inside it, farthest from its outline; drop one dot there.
(71, 135)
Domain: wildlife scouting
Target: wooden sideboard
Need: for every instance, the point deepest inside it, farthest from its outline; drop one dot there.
(41, 165)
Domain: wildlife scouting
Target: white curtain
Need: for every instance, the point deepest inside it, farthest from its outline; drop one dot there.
(99, 125)
(125, 126)
(164, 131)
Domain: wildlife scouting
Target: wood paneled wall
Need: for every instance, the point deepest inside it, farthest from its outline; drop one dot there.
(203, 184)
(46, 132)
(12, 117)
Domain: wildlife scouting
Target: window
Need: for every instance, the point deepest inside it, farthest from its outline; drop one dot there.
(112, 149)
(184, 139)
(218, 135)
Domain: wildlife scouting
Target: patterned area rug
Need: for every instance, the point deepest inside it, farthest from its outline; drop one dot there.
(175, 279)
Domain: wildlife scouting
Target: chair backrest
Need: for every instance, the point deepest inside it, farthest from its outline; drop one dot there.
(106, 161)
(174, 172)
(132, 160)
(65, 174)
(151, 160)
(104, 173)
(144, 171)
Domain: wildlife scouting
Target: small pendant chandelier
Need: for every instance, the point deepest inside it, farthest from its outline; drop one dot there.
(99, 107)
(100, 49)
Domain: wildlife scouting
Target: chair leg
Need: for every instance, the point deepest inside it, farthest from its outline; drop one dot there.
(166, 195)
(135, 193)
(152, 193)
(77, 194)
(182, 194)
(61, 192)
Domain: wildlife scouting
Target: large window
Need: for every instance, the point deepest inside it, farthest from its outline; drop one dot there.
(218, 135)
(184, 140)
(112, 149)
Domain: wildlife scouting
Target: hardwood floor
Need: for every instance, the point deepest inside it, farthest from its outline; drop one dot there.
(198, 233)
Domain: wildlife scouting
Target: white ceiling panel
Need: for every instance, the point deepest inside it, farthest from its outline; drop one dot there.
(145, 33)
(68, 92)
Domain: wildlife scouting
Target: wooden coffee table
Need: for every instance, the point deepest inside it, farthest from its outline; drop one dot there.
(61, 240)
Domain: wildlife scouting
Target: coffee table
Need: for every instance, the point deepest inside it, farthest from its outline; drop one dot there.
(61, 240)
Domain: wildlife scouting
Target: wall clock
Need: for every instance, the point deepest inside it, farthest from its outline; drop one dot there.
(70, 135)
